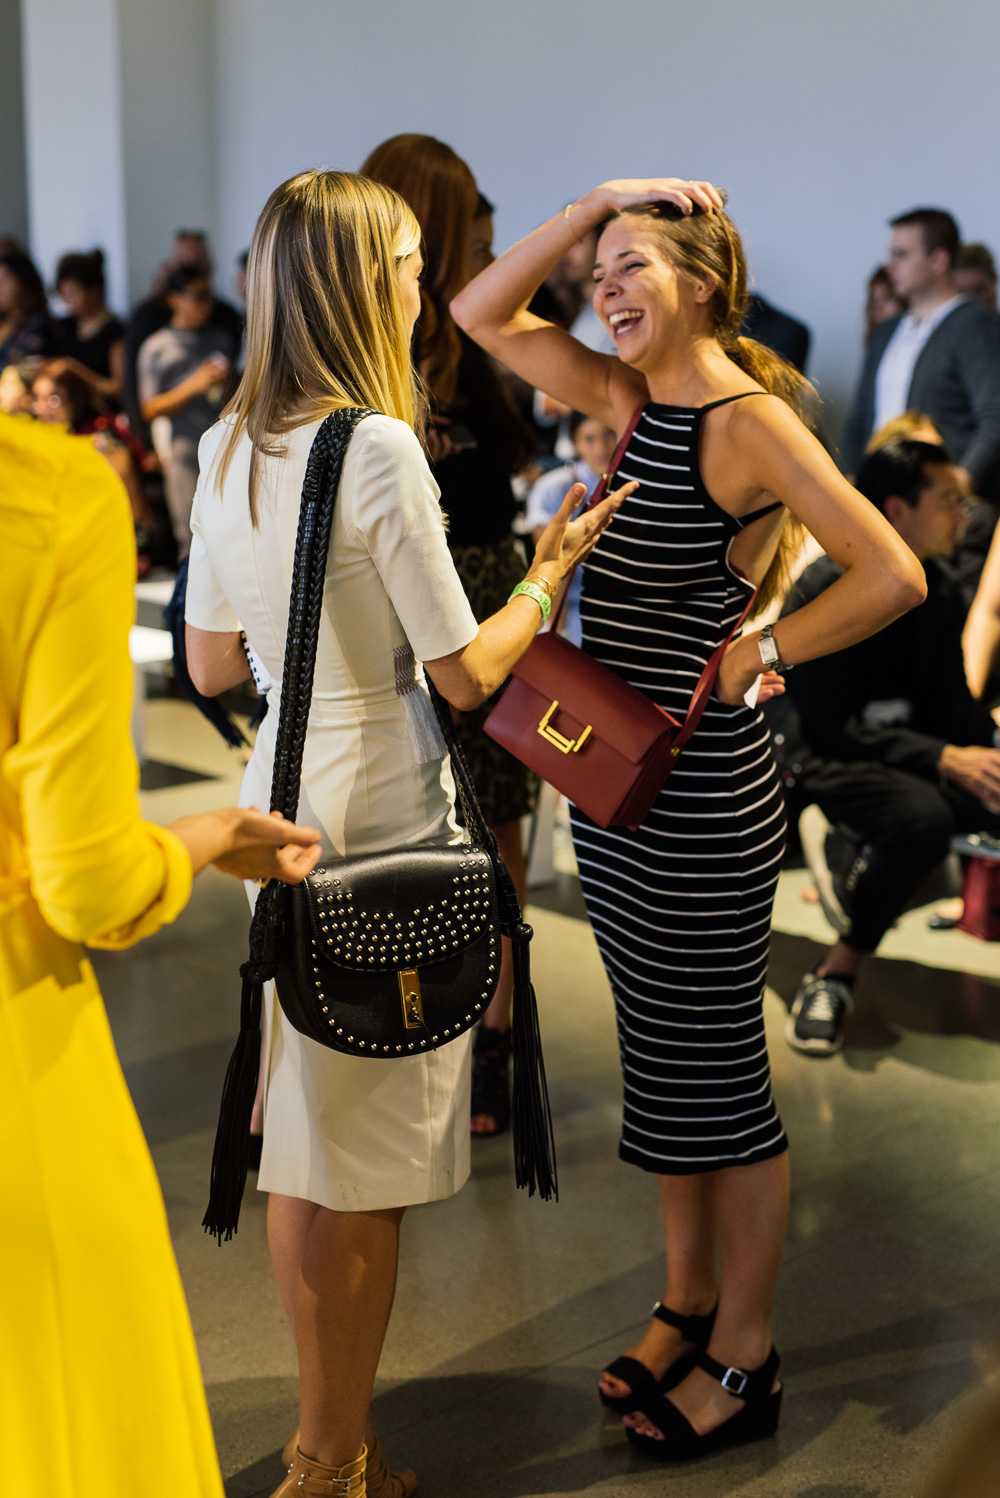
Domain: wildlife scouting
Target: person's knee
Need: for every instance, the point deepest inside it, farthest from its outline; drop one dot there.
(924, 829)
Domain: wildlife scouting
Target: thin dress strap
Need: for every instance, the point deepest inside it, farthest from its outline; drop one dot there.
(743, 520)
(727, 399)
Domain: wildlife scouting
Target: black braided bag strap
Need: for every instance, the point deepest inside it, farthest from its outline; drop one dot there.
(533, 1149)
(231, 1156)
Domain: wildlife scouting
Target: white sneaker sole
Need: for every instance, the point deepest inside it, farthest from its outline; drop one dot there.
(813, 828)
(813, 1047)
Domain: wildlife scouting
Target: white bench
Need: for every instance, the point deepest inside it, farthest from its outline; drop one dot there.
(147, 647)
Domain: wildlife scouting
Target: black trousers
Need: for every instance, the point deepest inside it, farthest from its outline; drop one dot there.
(909, 823)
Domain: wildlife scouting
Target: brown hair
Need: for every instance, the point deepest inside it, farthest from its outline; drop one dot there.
(938, 230)
(325, 324)
(441, 190)
(708, 246)
(74, 392)
(86, 268)
(903, 426)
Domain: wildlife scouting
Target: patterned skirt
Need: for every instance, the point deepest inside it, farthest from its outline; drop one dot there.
(506, 788)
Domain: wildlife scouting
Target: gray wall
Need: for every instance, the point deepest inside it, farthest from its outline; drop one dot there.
(13, 180)
(821, 121)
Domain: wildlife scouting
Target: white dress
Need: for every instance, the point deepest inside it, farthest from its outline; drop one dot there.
(350, 1133)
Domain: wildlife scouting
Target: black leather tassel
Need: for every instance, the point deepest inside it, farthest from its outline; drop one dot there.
(534, 1145)
(231, 1155)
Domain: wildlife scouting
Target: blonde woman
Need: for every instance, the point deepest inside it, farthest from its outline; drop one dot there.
(349, 1143)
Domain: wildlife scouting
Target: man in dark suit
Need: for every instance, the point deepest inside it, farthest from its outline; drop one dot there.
(942, 356)
(777, 330)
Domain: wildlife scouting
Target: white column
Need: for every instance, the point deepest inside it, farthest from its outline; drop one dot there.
(119, 123)
(73, 129)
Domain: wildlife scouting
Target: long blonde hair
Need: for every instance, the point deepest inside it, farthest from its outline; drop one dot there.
(325, 323)
(708, 246)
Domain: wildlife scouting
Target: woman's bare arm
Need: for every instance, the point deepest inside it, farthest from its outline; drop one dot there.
(216, 659)
(468, 676)
(777, 457)
(492, 309)
(981, 636)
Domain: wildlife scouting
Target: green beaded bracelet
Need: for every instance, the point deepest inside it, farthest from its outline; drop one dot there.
(532, 590)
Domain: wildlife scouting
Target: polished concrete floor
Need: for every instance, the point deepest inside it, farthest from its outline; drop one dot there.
(888, 1312)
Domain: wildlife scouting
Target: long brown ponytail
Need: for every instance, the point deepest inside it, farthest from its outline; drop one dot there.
(708, 246)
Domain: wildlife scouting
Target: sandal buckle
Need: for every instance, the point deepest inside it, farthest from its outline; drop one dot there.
(738, 1388)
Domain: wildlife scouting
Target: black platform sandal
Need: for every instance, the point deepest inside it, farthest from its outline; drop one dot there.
(642, 1383)
(756, 1421)
(491, 1079)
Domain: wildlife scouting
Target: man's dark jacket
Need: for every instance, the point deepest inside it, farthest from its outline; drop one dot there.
(956, 382)
(897, 697)
(777, 330)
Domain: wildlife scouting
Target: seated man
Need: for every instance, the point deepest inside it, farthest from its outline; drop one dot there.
(897, 751)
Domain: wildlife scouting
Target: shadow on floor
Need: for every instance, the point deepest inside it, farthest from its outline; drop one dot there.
(523, 1430)
(894, 997)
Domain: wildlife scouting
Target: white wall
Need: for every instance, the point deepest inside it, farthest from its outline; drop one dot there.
(821, 121)
(72, 117)
(119, 120)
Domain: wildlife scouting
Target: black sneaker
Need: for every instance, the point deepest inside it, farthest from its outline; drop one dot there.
(815, 1025)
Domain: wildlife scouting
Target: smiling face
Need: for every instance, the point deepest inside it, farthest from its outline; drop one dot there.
(640, 296)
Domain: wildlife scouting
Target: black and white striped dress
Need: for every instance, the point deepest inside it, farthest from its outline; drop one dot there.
(682, 908)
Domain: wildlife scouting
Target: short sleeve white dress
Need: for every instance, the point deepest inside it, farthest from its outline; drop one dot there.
(350, 1133)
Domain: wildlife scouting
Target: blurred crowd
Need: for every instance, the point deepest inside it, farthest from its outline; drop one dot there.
(882, 774)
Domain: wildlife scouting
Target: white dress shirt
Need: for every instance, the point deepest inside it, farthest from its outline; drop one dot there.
(895, 370)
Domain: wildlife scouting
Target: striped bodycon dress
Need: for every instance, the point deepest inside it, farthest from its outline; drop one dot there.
(682, 908)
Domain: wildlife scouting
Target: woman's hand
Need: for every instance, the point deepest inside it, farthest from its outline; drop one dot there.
(242, 841)
(631, 190)
(740, 669)
(565, 541)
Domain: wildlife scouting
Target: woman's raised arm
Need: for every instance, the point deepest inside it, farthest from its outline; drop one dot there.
(493, 308)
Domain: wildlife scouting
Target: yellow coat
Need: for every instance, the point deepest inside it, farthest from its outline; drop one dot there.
(100, 1391)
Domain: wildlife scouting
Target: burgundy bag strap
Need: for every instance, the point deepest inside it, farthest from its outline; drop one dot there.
(601, 489)
(706, 682)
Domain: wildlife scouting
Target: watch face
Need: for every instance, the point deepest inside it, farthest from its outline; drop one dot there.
(768, 651)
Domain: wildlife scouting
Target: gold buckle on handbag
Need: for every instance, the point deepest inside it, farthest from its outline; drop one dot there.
(409, 994)
(559, 740)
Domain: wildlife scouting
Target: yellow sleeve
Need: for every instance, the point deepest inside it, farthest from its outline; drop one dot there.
(99, 873)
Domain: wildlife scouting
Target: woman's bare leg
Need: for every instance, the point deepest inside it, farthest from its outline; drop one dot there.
(336, 1274)
(689, 1230)
(497, 1015)
(751, 1215)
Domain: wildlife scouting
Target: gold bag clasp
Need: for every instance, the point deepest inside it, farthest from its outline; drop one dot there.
(559, 740)
(409, 995)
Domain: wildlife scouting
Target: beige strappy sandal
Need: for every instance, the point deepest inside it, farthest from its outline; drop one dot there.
(380, 1480)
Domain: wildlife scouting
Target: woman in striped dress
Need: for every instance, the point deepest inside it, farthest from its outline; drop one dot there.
(681, 908)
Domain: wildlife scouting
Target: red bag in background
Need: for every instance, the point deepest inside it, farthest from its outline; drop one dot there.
(980, 887)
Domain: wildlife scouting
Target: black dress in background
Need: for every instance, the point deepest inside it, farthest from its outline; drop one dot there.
(94, 352)
(479, 503)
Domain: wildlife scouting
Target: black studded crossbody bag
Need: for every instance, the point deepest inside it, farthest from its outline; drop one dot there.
(387, 955)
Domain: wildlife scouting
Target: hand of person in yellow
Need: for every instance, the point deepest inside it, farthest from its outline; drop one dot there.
(243, 841)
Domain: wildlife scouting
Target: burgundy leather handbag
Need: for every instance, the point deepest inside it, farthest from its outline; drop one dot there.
(601, 742)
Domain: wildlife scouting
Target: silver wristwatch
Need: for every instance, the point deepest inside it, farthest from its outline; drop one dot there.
(768, 647)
